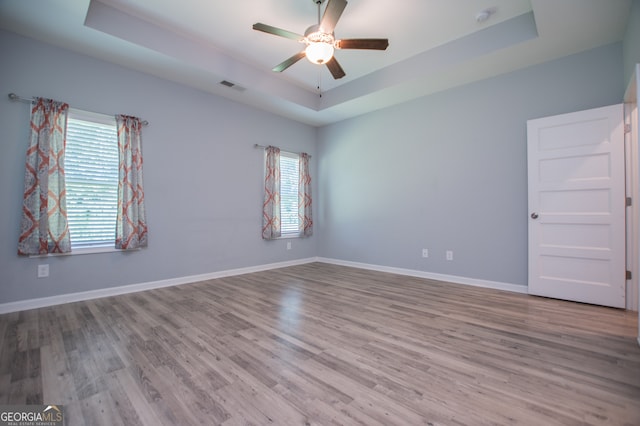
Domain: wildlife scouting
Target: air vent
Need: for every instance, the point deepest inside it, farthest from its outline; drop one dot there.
(232, 85)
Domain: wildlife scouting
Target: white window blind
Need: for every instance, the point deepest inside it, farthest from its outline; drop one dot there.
(289, 175)
(91, 176)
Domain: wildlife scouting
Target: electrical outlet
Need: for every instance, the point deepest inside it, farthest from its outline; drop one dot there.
(288, 245)
(43, 270)
(425, 252)
(449, 255)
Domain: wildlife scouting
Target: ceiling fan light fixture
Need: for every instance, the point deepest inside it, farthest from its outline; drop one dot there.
(320, 45)
(319, 52)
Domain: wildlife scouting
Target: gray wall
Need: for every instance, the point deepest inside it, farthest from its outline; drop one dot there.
(444, 172)
(449, 171)
(203, 178)
(631, 43)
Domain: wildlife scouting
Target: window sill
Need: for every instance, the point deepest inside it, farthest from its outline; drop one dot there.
(81, 251)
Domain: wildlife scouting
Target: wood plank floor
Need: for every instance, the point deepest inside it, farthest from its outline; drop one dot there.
(325, 344)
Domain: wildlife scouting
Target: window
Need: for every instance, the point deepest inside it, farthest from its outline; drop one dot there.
(289, 176)
(91, 176)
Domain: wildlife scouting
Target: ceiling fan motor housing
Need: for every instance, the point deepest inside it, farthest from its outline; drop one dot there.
(314, 34)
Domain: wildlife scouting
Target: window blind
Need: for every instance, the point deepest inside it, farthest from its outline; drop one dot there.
(91, 176)
(289, 175)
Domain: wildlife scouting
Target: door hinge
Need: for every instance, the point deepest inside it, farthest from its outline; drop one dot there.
(628, 201)
(627, 128)
(628, 275)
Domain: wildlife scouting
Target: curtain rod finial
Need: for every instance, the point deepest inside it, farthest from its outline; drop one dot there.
(13, 97)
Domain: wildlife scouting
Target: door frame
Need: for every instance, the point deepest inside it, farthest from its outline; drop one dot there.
(632, 159)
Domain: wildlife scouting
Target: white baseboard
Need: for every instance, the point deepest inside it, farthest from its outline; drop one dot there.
(430, 275)
(43, 302)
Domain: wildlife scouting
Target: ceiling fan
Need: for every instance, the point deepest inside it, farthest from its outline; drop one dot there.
(321, 41)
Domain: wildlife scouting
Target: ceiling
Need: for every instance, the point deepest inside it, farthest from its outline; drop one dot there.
(433, 44)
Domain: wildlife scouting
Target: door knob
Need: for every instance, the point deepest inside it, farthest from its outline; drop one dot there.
(534, 215)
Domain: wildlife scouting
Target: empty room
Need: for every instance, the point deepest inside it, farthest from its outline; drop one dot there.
(319, 212)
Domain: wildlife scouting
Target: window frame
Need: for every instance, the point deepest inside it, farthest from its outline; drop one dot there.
(103, 246)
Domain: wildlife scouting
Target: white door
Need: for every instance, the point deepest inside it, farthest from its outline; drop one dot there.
(577, 206)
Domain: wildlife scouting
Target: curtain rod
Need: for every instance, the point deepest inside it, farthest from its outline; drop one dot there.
(15, 97)
(264, 147)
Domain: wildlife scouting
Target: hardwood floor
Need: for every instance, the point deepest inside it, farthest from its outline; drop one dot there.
(325, 344)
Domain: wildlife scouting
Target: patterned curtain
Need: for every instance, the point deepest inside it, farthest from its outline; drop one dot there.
(305, 218)
(131, 225)
(271, 205)
(44, 228)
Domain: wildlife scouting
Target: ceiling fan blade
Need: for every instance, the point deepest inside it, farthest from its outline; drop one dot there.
(363, 43)
(292, 60)
(335, 68)
(277, 31)
(331, 15)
